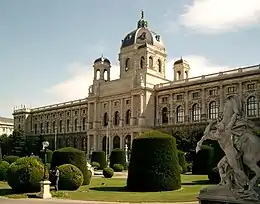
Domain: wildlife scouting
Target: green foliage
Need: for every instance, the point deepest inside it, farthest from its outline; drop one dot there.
(18, 143)
(4, 165)
(202, 164)
(25, 174)
(71, 178)
(118, 167)
(70, 155)
(96, 165)
(100, 157)
(154, 163)
(1, 157)
(5, 144)
(108, 172)
(117, 156)
(11, 159)
(48, 155)
(87, 177)
(182, 161)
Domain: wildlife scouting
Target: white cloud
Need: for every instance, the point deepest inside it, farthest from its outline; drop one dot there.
(199, 65)
(215, 16)
(76, 86)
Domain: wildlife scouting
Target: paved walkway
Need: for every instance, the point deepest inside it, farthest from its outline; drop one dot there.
(58, 201)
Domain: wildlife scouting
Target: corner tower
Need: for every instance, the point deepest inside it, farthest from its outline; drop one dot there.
(101, 69)
(181, 70)
(142, 50)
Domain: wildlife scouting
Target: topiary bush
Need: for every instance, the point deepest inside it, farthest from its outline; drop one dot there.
(48, 155)
(118, 167)
(117, 156)
(108, 172)
(4, 165)
(96, 165)
(11, 158)
(202, 164)
(70, 155)
(99, 157)
(71, 177)
(182, 161)
(24, 175)
(154, 163)
(87, 177)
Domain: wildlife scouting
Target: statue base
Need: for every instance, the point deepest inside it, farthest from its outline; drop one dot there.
(222, 195)
(45, 190)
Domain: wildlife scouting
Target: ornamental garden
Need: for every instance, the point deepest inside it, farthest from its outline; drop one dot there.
(161, 168)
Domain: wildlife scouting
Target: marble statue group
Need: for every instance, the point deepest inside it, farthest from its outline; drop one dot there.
(241, 146)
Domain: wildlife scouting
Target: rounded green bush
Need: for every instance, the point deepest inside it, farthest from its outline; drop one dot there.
(108, 172)
(70, 155)
(117, 156)
(182, 161)
(11, 158)
(24, 175)
(154, 163)
(202, 164)
(118, 167)
(87, 177)
(71, 177)
(48, 155)
(95, 165)
(4, 165)
(99, 157)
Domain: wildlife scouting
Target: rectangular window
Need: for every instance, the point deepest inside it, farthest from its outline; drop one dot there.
(179, 97)
(127, 101)
(195, 95)
(164, 99)
(251, 86)
(231, 89)
(213, 92)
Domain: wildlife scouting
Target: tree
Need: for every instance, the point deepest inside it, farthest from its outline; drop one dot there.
(5, 144)
(18, 142)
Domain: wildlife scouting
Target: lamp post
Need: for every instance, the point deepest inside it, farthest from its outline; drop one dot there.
(45, 144)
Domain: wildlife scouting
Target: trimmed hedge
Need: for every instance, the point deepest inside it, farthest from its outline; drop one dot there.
(108, 172)
(182, 161)
(202, 164)
(71, 178)
(154, 163)
(118, 167)
(99, 157)
(4, 165)
(117, 156)
(11, 158)
(24, 175)
(48, 155)
(1, 157)
(70, 155)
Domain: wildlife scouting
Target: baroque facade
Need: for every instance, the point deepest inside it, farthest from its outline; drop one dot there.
(6, 126)
(116, 111)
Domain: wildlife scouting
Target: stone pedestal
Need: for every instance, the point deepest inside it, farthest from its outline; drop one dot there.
(45, 190)
(221, 195)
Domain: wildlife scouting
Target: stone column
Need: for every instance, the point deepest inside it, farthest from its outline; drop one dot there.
(88, 145)
(121, 112)
(221, 99)
(141, 118)
(110, 116)
(186, 111)
(95, 141)
(95, 115)
(171, 109)
(240, 93)
(203, 105)
(157, 117)
(132, 119)
(88, 123)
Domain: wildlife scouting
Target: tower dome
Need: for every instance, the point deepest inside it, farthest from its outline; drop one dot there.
(102, 59)
(142, 34)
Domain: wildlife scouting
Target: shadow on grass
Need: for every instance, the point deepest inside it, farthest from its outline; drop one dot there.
(6, 192)
(110, 188)
(198, 182)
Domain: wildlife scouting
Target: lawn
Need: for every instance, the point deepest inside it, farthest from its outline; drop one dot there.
(103, 189)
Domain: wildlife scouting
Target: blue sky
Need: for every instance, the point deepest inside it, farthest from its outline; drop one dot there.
(47, 48)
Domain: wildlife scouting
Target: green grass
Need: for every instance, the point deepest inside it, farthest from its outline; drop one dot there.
(103, 189)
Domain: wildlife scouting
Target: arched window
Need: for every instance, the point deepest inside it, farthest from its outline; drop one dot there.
(127, 117)
(19, 127)
(127, 141)
(150, 62)
(41, 128)
(76, 124)
(60, 143)
(98, 74)
(164, 115)
(60, 125)
(105, 74)
(127, 64)
(180, 114)
(68, 125)
(35, 128)
(75, 143)
(116, 118)
(47, 127)
(195, 112)
(251, 106)
(178, 75)
(142, 62)
(68, 142)
(105, 119)
(105, 147)
(213, 110)
(84, 144)
(53, 126)
(159, 63)
(84, 124)
(116, 142)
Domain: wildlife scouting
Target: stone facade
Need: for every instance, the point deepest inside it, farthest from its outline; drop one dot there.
(116, 111)
(6, 126)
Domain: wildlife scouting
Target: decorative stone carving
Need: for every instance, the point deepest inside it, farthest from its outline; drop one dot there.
(235, 136)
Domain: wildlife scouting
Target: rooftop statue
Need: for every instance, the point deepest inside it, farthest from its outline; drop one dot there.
(241, 147)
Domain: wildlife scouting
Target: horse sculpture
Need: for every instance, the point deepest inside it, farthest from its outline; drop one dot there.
(241, 147)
